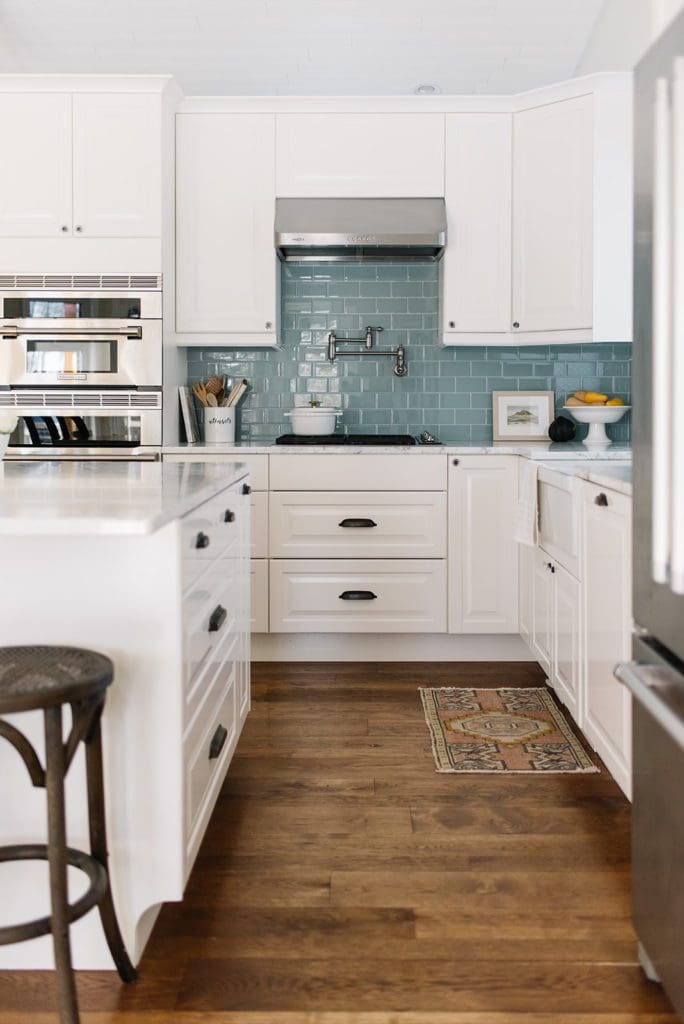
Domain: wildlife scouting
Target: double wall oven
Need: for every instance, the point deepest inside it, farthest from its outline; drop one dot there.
(81, 364)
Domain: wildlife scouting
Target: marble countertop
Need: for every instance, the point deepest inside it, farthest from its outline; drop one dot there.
(574, 450)
(105, 498)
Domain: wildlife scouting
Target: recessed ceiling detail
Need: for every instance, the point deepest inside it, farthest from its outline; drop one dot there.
(304, 47)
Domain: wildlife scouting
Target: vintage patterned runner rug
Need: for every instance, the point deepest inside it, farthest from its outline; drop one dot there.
(504, 730)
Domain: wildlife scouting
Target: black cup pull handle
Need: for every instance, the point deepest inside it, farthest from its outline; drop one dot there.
(218, 741)
(202, 540)
(228, 516)
(601, 500)
(217, 618)
(246, 489)
(358, 595)
(357, 523)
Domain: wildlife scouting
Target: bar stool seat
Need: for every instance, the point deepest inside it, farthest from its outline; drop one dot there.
(46, 679)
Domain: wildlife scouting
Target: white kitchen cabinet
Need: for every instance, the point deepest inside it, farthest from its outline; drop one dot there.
(117, 140)
(483, 556)
(35, 181)
(566, 669)
(553, 216)
(360, 154)
(226, 287)
(476, 271)
(84, 165)
(607, 619)
(541, 617)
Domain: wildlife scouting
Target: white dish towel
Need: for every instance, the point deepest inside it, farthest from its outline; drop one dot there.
(526, 529)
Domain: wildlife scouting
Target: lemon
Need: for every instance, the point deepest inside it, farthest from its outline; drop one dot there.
(615, 401)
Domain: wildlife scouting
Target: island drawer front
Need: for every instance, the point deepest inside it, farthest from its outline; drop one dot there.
(381, 596)
(208, 531)
(257, 465)
(211, 673)
(360, 524)
(259, 524)
(367, 472)
(208, 753)
(259, 595)
(210, 612)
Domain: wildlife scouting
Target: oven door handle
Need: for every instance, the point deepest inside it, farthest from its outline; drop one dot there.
(133, 332)
(655, 688)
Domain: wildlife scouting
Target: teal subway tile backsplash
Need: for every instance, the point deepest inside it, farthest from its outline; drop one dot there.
(447, 390)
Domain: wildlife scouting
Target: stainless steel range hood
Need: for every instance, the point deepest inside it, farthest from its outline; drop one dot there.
(325, 230)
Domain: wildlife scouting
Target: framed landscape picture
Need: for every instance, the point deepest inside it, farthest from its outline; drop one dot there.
(522, 415)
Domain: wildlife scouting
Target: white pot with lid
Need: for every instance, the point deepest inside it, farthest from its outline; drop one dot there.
(312, 420)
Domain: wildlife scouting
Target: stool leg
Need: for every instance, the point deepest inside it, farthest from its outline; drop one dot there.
(98, 847)
(55, 769)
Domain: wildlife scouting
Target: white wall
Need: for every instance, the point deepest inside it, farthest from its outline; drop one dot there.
(623, 32)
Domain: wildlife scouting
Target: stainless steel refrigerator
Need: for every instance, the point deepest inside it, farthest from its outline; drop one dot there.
(656, 676)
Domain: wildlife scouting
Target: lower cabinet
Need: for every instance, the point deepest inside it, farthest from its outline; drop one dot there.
(607, 621)
(566, 671)
(579, 629)
(483, 556)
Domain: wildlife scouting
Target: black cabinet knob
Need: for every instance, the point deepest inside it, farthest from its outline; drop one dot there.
(246, 489)
(455, 462)
(601, 499)
(228, 516)
(452, 324)
(516, 324)
(202, 541)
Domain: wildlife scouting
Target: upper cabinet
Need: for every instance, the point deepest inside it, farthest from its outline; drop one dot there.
(552, 217)
(84, 165)
(226, 289)
(35, 183)
(117, 168)
(539, 208)
(477, 262)
(362, 155)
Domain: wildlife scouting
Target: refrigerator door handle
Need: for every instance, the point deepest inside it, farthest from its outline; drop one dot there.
(677, 369)
(661, 351)
(653, 687)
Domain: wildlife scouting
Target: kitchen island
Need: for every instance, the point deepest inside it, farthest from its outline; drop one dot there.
(149, 564)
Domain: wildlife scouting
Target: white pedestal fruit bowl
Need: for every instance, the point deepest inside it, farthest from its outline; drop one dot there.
(597, 416)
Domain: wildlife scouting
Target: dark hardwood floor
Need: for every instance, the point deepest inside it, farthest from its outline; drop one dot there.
(343, 881)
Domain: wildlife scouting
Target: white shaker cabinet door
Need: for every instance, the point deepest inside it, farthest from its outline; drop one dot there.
(477, 262)
(225, 202)
(566, 674)
(606, 578)
(117, 165)
(35, 171)
(553, 216)
(541, 613)
(363, 155)
(483, 556)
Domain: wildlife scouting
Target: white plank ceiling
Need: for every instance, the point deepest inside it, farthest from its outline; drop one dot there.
(304, 47)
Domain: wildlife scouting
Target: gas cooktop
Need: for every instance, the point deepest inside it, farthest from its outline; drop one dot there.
(347, 439)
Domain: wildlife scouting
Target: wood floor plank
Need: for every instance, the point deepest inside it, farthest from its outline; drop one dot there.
(344, 881)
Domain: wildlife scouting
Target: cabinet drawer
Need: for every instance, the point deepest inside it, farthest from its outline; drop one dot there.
(259, 524)
(208, 751)
(207, 532)
(259, 595)
(210, 612)
(345, 471)
(362, 524)
(396, 597)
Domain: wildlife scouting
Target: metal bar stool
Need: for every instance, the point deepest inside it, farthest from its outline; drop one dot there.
(45, 679)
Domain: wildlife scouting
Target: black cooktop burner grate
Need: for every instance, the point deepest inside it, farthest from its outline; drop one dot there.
(347, 439)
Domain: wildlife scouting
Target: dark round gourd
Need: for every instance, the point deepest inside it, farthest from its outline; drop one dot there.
(562, 429)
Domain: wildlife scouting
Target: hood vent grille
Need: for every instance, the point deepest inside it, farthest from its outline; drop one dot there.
(342, 230)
